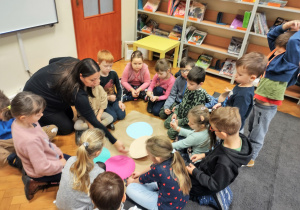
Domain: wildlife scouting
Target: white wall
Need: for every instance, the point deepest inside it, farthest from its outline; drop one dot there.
(43, 43)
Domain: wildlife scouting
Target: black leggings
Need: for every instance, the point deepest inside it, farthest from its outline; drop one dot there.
(62, 119)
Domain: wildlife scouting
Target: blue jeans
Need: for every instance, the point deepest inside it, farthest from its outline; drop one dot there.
(145, 195)
(214, 101)
(114, 110)
(158, 91)
(259, 121)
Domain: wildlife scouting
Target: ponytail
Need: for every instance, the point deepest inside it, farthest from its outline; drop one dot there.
(91, 141)
(6, 113)
(5, 107)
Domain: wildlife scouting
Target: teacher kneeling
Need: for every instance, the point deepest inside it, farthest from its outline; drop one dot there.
(65, 82)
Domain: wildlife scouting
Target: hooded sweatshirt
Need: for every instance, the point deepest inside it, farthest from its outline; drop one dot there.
(219, 168)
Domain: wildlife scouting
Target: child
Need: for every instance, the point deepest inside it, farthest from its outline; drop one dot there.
(178, 88)
(41, 159)
(160, 87)
(193, 96)
(108, 192)
(198, 138)
(282, 71)
(110, 81)
(219, 167)
(135, 78)
(248, 68)
(98, 104)
(167, 184)
(80, 172)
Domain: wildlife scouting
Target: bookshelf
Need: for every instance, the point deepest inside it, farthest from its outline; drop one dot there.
(218, 36)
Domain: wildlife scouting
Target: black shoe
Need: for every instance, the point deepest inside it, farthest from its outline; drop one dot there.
(111, 127)
(14, 161)
(127, 98)
(142, 95)
(31, 186)
(150, 106)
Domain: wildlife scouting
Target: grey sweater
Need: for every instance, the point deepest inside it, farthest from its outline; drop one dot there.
(177, 92)
(66, 197)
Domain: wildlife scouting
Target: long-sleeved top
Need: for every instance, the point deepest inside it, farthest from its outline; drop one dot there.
(199, 141)
(132, 78)
(177, 92)
(110, 83)
(5, 129)
(284, 67)
(242, 98)
(100, 99)
(190, 99)
(219, 168)
(166, 84)
(39, 156)
(169, 194)
(69, 199)
(42, 83)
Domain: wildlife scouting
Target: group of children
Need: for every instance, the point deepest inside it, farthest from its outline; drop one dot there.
(177, 174)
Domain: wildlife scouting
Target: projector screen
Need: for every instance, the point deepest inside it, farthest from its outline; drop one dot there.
(17, 15)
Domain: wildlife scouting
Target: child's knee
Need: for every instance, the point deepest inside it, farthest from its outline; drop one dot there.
(172, 134)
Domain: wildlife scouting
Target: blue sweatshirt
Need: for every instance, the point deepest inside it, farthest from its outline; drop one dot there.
(284, 67)
(5, 129)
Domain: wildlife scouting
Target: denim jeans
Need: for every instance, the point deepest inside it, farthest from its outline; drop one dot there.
(114, 110)
(259, 121)
(145, 195)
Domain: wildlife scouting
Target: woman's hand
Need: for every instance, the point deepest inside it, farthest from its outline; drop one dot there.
(197, 157)
(120, 147)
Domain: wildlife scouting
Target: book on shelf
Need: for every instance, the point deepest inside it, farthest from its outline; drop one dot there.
(246, 19)
(260, 24)
(235, 45)
(228, 67)
(150, 26)
(274, 3)
(180, 10)
(172, 5)
(197, 37)
(237, 22)
(160, 32)
(189, 32)
(204, 61)
(176, 32)
(278, 21)
(196, 11)
(141, 22)
(151, 5)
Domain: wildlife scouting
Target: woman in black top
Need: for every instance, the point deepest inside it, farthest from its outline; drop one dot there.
(65, 82)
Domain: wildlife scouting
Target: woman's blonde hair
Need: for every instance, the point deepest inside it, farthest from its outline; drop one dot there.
(91, 141)
(160, 146)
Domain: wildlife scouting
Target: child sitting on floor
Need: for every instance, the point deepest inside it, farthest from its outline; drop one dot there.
(167, 184)
(178, 89)
(160, 87)
(80, 171)
(219, 167)
(135, 78)
(193, 96)
(198, 138)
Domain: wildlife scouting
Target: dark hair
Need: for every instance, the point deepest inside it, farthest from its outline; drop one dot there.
(255, 63)
(282, 39)
(70, 79)
(136, 54)
(107, 191)
(162, 65)
(196, 74)
(25, 103)
(187, 61)
(4, 103)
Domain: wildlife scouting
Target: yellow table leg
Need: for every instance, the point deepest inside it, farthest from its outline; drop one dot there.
(162, 55)
(175, 57)
(150, 55)
(134, 47)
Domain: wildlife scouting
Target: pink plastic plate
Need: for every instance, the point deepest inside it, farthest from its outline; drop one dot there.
(122, 165)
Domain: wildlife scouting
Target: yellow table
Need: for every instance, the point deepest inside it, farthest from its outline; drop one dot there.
(158, 44)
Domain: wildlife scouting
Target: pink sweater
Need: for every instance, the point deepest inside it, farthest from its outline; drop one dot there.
(165, 84)
(33, 148)
(131, 78)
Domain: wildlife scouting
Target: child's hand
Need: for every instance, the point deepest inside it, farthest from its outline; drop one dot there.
(134, 94)
(174, 116)
(173, 110)
(112, 98)
(154, 98)
(132, 180)
(149, 94)
(122, 106)
(197, 157)
(190, 168)
(63, 161)
(294, 25)
(168, 111)
(227, 89)
(136, 174)
(137, 91)
(217, 105)
(174, 124)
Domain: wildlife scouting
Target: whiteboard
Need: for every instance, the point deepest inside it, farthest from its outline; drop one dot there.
(17, 15)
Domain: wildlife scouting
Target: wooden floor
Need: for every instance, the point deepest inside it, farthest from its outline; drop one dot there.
(12, 189)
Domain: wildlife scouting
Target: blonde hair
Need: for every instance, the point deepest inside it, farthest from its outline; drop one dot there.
(226, 119)
(197, 111)
(105, 55)
(91, 141)
(160, 146)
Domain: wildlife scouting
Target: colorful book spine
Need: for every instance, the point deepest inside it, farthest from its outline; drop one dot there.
(246, 19)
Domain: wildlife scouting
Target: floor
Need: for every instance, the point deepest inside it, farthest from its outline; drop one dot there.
(12, 189)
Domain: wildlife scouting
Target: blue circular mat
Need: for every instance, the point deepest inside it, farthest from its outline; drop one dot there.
(104, 155)
(138, 129)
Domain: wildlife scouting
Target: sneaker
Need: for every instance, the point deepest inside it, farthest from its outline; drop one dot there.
(111, 127)
(127, 98)
(150, 106)
(250, 164)
(146, 98)
(223, 198)
(31, 186)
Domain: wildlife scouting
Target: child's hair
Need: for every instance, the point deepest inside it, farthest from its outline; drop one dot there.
(160, 146)
(137, 54)
(283, 39)
(4, 104)
(105, 55)
(226, 119)
(107, 191)
(24, 103)
(196, 74)
(187, 61)
(200, 111)
(255, 63)
(162, 65)
(91, 141)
